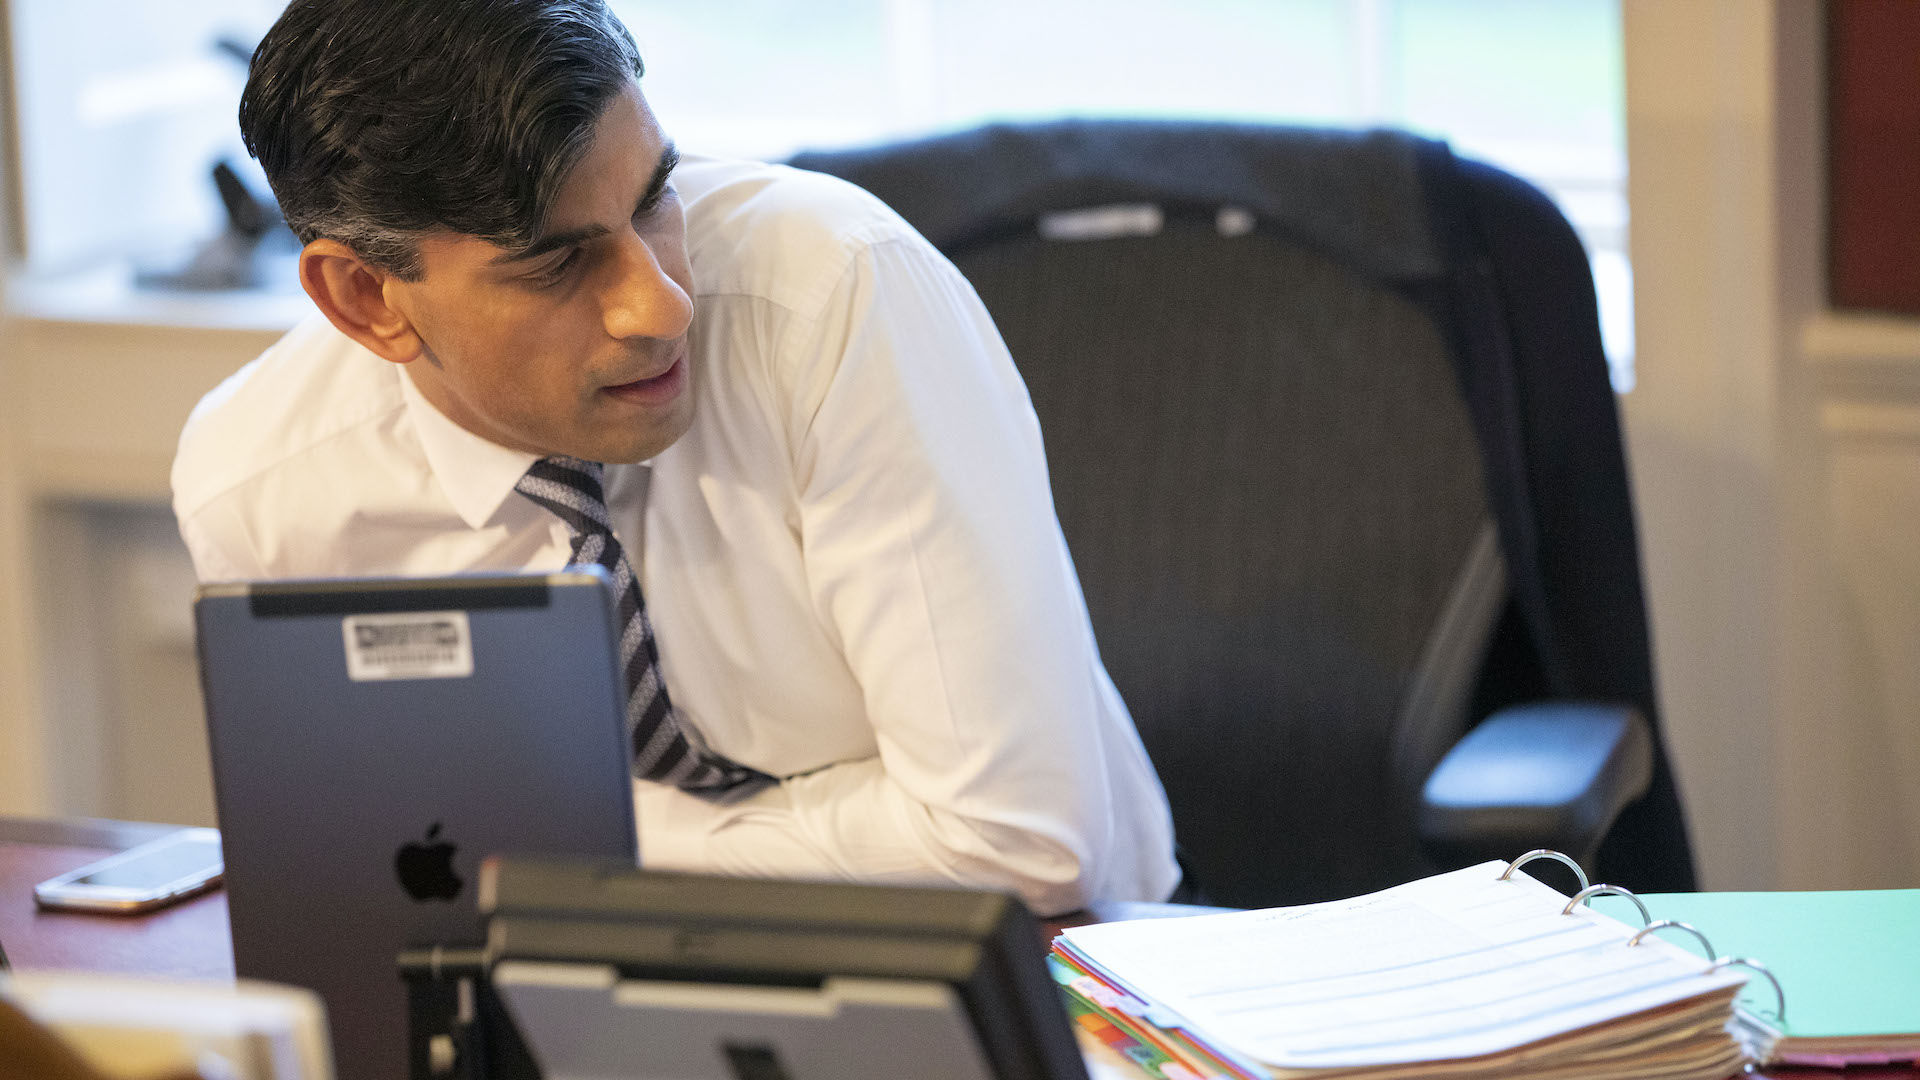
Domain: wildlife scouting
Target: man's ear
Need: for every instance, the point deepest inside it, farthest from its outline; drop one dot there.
(353, 296)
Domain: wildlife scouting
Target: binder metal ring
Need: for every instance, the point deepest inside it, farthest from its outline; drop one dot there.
(1749, 962)
(1586, 895)
(1673, 924)
(1545, 853)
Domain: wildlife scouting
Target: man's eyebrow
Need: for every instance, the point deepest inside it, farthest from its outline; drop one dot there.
(669, 160)
(549, 242)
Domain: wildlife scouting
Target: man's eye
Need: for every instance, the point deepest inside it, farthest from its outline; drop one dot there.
(552, 275)
(651, 206)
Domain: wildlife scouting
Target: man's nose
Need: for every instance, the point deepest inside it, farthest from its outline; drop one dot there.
(640, 299)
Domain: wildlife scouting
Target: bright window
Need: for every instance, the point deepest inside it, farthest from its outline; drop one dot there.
(1532, 86)
(122, 108)
(125, 104)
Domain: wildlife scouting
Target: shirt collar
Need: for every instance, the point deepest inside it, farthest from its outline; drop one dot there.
(476, 474)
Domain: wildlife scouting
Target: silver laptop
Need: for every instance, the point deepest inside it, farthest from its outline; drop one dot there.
(373, 740)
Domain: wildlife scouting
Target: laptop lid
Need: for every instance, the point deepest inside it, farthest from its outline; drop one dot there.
(372, 740)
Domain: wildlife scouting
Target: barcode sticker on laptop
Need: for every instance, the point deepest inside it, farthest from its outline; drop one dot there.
(408, 645)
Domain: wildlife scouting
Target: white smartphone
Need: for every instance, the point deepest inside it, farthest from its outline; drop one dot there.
(139, 879)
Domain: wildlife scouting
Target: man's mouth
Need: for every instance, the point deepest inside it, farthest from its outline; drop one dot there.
(657, 390)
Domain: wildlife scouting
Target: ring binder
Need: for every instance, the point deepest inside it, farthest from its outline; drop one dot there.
(1590, 1008)
(1780, 1014)
(1674, 924)
(1586, 895)
(1649, 925)
(1545, 853)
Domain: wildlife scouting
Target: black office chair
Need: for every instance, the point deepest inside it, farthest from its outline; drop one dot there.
(1334, 449)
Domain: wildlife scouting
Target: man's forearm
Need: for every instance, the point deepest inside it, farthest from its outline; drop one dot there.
(853, 822)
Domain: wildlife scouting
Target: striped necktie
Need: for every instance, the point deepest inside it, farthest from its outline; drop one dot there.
(571, 489)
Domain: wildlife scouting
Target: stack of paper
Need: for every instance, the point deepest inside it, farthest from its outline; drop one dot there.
(1458, 974)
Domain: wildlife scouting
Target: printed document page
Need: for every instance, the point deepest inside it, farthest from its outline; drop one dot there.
(1456, 965)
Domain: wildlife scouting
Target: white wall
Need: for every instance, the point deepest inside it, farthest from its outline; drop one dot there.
(22, 771)
(99, 699)
(1776, 458)
(22, 758)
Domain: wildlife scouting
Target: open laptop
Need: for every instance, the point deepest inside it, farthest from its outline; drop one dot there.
(374, 739)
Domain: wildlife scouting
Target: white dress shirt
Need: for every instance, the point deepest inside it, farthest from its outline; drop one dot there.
(851, 560)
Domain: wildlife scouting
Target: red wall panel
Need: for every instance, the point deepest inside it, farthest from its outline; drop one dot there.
(1874, 154)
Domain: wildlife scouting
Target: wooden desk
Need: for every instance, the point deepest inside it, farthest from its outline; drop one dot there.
(190, 940)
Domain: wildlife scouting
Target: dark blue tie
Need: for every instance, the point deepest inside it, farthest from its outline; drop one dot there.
(572, 490)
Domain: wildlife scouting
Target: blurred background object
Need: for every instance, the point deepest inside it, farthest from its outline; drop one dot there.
(233, 257)
(146, 1029)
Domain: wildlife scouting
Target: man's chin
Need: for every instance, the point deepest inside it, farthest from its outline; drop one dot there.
(630, 447)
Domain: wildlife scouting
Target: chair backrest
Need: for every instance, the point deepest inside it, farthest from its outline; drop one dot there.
(1251, 355)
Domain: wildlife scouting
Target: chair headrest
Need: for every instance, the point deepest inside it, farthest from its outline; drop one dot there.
(1356, 196)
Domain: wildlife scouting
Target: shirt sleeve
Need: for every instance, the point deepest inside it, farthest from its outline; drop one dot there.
(216, 538)
(933, 552)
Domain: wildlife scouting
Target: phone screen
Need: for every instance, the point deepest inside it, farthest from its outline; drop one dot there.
(160, 866)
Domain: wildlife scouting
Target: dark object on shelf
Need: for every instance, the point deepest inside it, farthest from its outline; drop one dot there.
(234, 49)
(236, 257)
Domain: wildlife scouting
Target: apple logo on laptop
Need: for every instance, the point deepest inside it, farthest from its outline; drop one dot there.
(426, 870)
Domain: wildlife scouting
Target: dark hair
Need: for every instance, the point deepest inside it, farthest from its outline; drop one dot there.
(380, 120)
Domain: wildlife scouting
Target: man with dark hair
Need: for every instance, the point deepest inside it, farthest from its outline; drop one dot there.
(855, 644)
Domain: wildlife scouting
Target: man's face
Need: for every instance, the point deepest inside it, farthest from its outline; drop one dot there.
(579, 345)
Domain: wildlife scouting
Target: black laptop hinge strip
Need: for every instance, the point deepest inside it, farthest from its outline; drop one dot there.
(360, 598)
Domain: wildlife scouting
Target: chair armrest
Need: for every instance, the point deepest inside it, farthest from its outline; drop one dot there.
(1549, 774)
